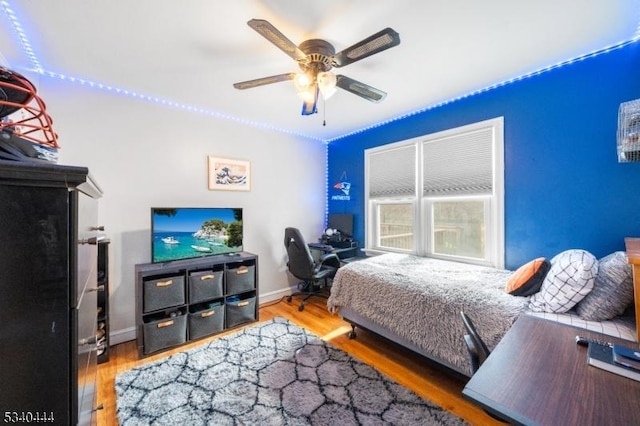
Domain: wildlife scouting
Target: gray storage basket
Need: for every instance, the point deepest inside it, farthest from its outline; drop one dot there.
(163, 293)
(205, 285)
(240, 279)
(164, 333)
(206, 322)
(240, 311)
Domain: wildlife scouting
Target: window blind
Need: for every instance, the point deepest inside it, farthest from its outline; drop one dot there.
(459, 164)
(392, 173)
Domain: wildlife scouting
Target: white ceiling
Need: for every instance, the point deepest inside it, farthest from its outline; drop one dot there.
(192, 52)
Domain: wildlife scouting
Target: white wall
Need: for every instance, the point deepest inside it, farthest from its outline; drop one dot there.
(143, 155)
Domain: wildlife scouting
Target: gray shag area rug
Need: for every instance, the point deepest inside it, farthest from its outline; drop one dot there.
(273, 373)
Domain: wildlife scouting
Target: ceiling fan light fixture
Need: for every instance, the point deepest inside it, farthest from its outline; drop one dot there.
(316, 58)
(327, 84)
(308, 95)
(305, 86)
(302, 82)
(310, 102)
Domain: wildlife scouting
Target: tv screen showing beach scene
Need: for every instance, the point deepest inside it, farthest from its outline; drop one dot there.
(190, 232)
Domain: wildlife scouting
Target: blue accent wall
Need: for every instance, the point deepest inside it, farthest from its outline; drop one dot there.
(564, 187)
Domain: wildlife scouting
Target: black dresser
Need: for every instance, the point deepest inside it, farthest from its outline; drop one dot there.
(48, 293)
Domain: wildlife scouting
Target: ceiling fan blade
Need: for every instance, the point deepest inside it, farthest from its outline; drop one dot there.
(264, 80)
(357, 88)
(376, 43)
(271, 33)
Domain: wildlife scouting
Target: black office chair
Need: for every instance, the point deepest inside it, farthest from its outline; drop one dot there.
(314, 274)
(478, 351)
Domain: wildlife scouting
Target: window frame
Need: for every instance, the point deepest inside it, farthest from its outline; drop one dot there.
(423, 205)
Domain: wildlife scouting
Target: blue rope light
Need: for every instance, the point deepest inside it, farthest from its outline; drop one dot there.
(326, 185)
(496, 85)
(37, 67)
(22, 36)
(177, 105)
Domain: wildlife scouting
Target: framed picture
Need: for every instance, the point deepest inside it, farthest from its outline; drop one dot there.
(227, 174)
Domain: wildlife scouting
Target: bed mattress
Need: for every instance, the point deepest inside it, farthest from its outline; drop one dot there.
(420, 299)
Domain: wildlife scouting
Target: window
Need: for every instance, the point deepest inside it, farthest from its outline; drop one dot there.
(395, 225)
(439, 195)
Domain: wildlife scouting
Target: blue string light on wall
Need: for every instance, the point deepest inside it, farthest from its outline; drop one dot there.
(326, 185)
(38, 68)
(22, 36)
(496, 85)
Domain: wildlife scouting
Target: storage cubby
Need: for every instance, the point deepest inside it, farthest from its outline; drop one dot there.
(239, 278)
(206, 319)
(205, 285)
(240, 309)
(162, 292)
(102, 333)
(162, 331)
(185, 300)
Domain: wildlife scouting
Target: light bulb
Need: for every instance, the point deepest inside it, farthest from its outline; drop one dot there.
(327, 84)
(305, 87)
(302, 82)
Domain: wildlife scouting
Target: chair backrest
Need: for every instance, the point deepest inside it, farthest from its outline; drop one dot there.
(478, 350)
(301, 263)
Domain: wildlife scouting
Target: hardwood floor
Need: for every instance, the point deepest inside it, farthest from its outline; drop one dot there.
(419, 374)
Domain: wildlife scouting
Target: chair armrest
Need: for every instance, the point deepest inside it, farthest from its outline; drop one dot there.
(329, 259)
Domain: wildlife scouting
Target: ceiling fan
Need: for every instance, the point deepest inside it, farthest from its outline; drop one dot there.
(316, 58)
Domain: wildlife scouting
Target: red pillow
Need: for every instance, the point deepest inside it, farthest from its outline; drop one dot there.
(528, 278)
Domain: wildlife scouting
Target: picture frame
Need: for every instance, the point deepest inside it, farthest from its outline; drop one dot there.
(228, 174)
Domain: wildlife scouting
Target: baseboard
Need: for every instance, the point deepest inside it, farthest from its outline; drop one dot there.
(276, 295)
(121, 336)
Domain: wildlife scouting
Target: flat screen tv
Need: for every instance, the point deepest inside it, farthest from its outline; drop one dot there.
(190, 232)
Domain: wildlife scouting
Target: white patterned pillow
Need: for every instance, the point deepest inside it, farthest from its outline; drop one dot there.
(612, 291)
(570, 279)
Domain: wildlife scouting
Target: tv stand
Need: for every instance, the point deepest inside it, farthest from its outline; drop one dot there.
(185, 300)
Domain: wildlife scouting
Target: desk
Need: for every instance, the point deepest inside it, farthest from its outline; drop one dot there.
(538, 375)
(346, 255)
(632, 246)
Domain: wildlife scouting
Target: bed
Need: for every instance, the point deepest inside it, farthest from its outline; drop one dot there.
(416, 302)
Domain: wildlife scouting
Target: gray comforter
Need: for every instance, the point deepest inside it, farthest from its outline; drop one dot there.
(420, 299)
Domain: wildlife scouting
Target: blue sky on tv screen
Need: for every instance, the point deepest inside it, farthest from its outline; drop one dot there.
(190, 219)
